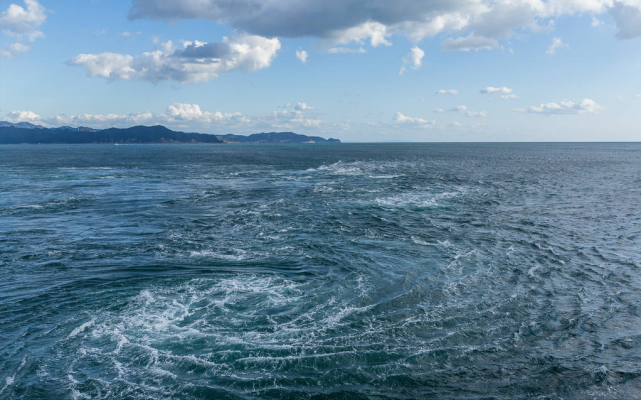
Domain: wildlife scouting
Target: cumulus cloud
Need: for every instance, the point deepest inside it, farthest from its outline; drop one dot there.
(586, 106)
(496, 90)
(191, 117)
(477, 114)
(302, 56)
(22, 23)
(503, 93)
(447, 91)
(556, 44)
(471, 42)
(303, 107)
(414, 122)
(192, 112)
(195, 62)
(453, 109)
(344, 21)
(23, 116)
(413, 58)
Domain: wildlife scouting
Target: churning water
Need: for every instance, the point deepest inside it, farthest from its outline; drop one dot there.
(320, 271)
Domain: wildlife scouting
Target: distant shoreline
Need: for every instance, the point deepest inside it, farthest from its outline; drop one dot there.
(25, 133)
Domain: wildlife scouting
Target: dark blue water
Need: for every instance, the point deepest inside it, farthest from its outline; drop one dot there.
(320, 272)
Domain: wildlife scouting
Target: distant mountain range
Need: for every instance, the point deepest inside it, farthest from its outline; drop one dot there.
(24, 132)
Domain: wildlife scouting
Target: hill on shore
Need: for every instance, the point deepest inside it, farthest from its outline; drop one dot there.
(275, 137)
(28, 133)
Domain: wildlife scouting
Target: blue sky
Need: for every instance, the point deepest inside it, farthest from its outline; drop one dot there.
(551, 70)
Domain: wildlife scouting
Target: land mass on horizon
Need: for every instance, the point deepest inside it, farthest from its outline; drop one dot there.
(27, 133)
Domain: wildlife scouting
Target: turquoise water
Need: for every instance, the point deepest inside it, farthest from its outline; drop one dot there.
(395, 271)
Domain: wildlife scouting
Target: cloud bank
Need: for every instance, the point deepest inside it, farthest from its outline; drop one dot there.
(478, 24)
(191, 117)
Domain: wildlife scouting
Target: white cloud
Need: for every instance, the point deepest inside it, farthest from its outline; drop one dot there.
(303, 107)
(23, 116)
(22, 23)
(586, 106)
(302, 56)
(195, 62)
(107, 65)
(510, 97)
(557, 44)
(638, 96)
(104, 121)
(495, 90)
(596, 22)
(471, 42)
(447, 91)
(477, 114)
(414, 122)
(346, 50)
(453, 109)
(413, 58)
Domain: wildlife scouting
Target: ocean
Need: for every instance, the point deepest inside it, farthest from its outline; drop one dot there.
(352, 271)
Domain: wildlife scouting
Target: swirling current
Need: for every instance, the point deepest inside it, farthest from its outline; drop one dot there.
(353, 271)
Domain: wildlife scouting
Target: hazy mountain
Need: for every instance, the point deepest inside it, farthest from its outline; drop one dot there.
(136, 134)
(21, 125)
(275, 137)
(25, 132)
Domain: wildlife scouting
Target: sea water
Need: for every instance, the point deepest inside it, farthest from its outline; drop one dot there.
(353, 271)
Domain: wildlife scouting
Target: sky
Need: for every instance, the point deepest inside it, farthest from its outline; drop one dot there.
(357, 70)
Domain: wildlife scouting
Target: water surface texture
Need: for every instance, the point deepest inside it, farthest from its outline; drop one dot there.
(396, 271)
